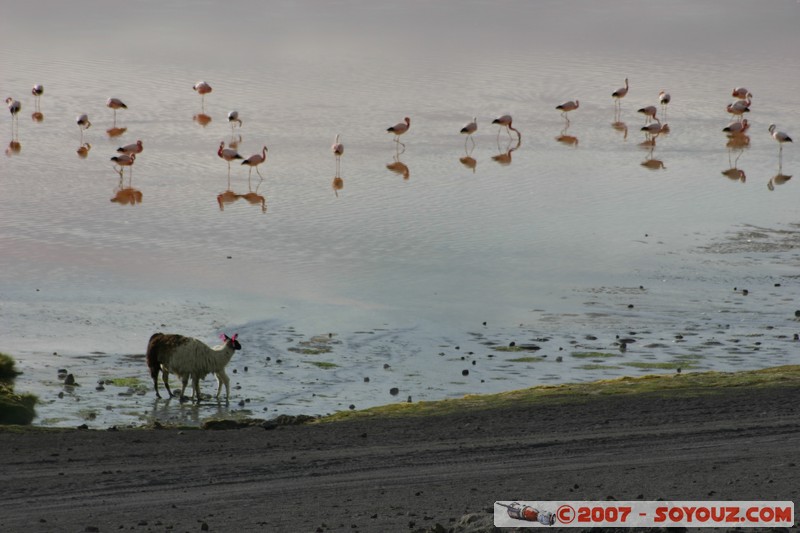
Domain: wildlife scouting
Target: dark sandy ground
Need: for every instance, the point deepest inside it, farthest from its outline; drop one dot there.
(403, 474)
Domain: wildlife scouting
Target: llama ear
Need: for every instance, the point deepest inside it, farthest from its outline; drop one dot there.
(223, 336)
(234, 336)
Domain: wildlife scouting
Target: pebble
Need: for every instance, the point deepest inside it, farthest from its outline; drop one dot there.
(465, 372)
(394, 391)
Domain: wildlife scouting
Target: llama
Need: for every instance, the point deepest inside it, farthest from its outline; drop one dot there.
(188, 357)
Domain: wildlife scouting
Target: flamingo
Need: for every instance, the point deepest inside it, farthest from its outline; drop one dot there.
(741, 92)
(649, 113)
(254, 161)
(131, 148)
(338, 149)
(739, 108)
(233, 116)
(505, 121)
(399, 129)
(14, 108)
(202, 89)
(779, 136)
(468, 129)
(737, 127)
(228, 154)
(83, 124)
(566, 107)
(124, 160)
(620, 93)
(115, 103)
(664, 99)
(37, 91)
(655, 128)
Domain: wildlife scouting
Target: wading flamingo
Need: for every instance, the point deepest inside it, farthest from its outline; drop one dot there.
(779, 136)
(124, 160)
(649, 113)
(254, 161)
(468, 129)
(37, 91)
(228, 154)
(664, 99)
(135, 148)
(115, 103)
(202, 89)
(338, 149)
(399, 129)
(566, 107)
(83, 124)
(506, 121)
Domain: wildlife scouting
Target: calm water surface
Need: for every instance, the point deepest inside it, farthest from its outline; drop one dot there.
(578, 236)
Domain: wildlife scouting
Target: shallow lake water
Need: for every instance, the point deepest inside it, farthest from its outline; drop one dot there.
(597, 253)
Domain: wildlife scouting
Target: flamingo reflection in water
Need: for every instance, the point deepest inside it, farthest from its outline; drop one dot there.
(779, 179)
(115, 131)
(651, 162)
(621, 127)
(398, 167)
(252, 197)
(127, 195)
(504, 157)
(566, 138)
(202, 119)
(83, 150)
(14, 148)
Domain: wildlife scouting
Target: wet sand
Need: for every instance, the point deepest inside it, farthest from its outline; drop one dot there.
(405, 473)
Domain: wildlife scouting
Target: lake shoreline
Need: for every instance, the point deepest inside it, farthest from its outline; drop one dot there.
(391, 473)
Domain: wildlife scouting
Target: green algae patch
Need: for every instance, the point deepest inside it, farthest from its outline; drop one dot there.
(675, 385)
(316, 345)
(530, 359)
(594, 355)
(668, 365)
(15, 408)
(8, 369)
(596, 366)
(322, 364)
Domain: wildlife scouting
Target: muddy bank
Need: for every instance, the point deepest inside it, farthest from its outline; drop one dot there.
(406, 473)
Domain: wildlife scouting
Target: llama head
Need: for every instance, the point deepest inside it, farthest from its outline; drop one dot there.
(232, 340)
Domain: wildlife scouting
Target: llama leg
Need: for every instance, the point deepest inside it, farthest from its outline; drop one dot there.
(165, 378)
(154, 374)
(196, 385)
(222, 379)
(184, 382)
